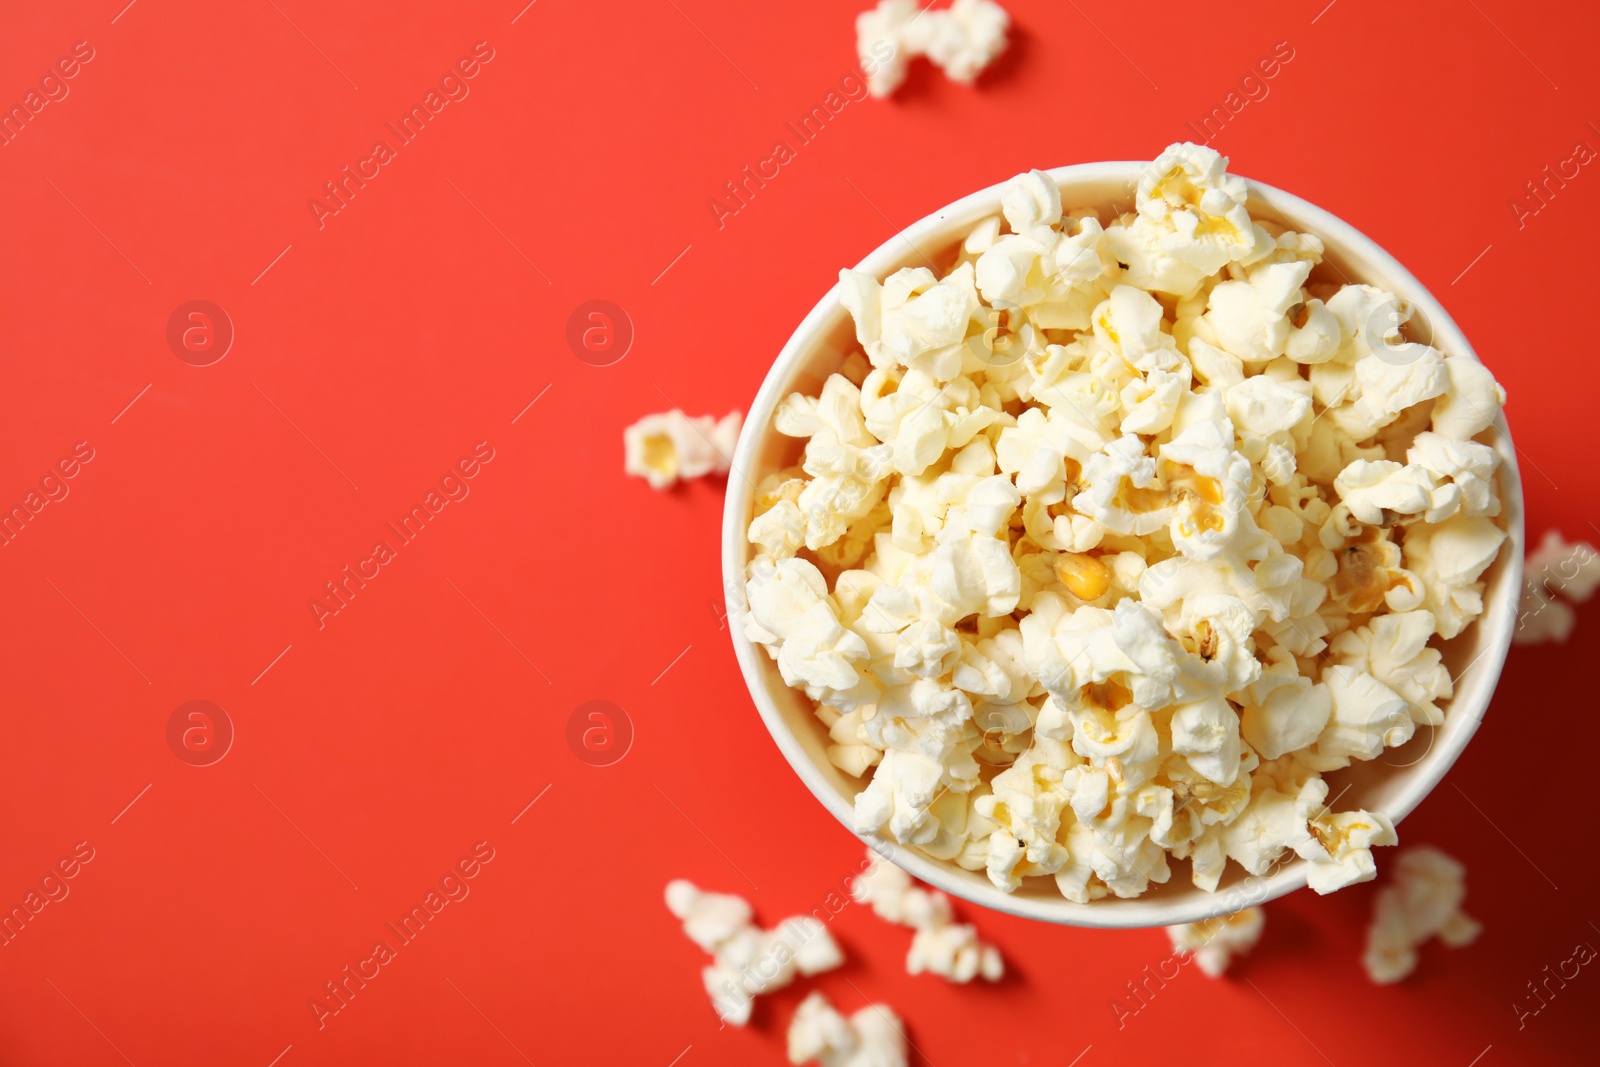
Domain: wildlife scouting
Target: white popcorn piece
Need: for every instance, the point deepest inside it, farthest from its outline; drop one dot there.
(1339, 846)
(1251, 318)
(1215, 942)
(670, 447)
(1423, 901)
(792, 613)
(1393, 649)
(1449, 557)
(1112, 540)
(961, 40)
(748, 961)
(952, 951)
(1555, 575)
(883, 38)
(966, 38)
(1367, 717)
(940, 945)
(709, 919)
(1470, 402)
(895, 898)
(1466, 465)
(872, 1037)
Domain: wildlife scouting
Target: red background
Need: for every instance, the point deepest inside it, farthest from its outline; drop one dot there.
(428, 713)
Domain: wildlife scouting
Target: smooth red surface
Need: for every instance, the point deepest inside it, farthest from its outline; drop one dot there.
(425, 715)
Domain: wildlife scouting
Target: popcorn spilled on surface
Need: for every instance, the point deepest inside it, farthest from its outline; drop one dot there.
(1110, 542)
(872, 1037)
(940, 945)
(671, 447)
(1215, 942)
(1555, 576)
(961, 40)
(1423, 901)
(748, 961)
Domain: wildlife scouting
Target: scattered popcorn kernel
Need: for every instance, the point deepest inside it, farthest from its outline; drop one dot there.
(671, 447)
(746, 960)
(1137, 526)
(1215, 942)
(1555, 576)
(872, 1037)
(961, 40)
(1422, 901)
(940, 945)
(953, 951)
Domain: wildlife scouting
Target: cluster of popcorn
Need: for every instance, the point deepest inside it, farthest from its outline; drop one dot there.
(1215, 942)
(1555, 576)
(1114, 539)
(940, 945)
(1422, 902)
(747, 960)
(872, 1037)
(669, 447)
(961, 40)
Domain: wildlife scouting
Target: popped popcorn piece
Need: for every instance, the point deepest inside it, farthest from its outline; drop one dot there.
(961, 40)
(1555, 575)
(1136, 527)
(1422, 901)
(1449, 557)
(940, 945)
(748, 961)
(670, 446)
(884, 44)
(953, 952)
(872, 1037)
(967, 37)
(1215, 942)
(1340, 844)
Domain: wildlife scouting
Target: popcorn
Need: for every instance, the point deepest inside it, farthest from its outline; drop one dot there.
(1449, 557)
(791, 613)
(970, 35)
(940, 945)
(1470, 402)
(872, 1037)
(671, 447)
(1134, 529)
(961, 40)
(1215, 942)
(1339, 849)
(1394, 650)
(953, 952)
(1251, 318)
(882, 37)
(1555, 567)
(748, 961)
(1367, 717)
(1423, 901)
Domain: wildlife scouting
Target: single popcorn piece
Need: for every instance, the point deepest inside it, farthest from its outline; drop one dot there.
(746, 960)
(1116, 533)
(961, 40)
(940, 945)
(884, 44)
(1422, 901)
(872, 1037)
(1555, 576)
(1215, 942)
(966, 38)
(670, 447)
(953, 952)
